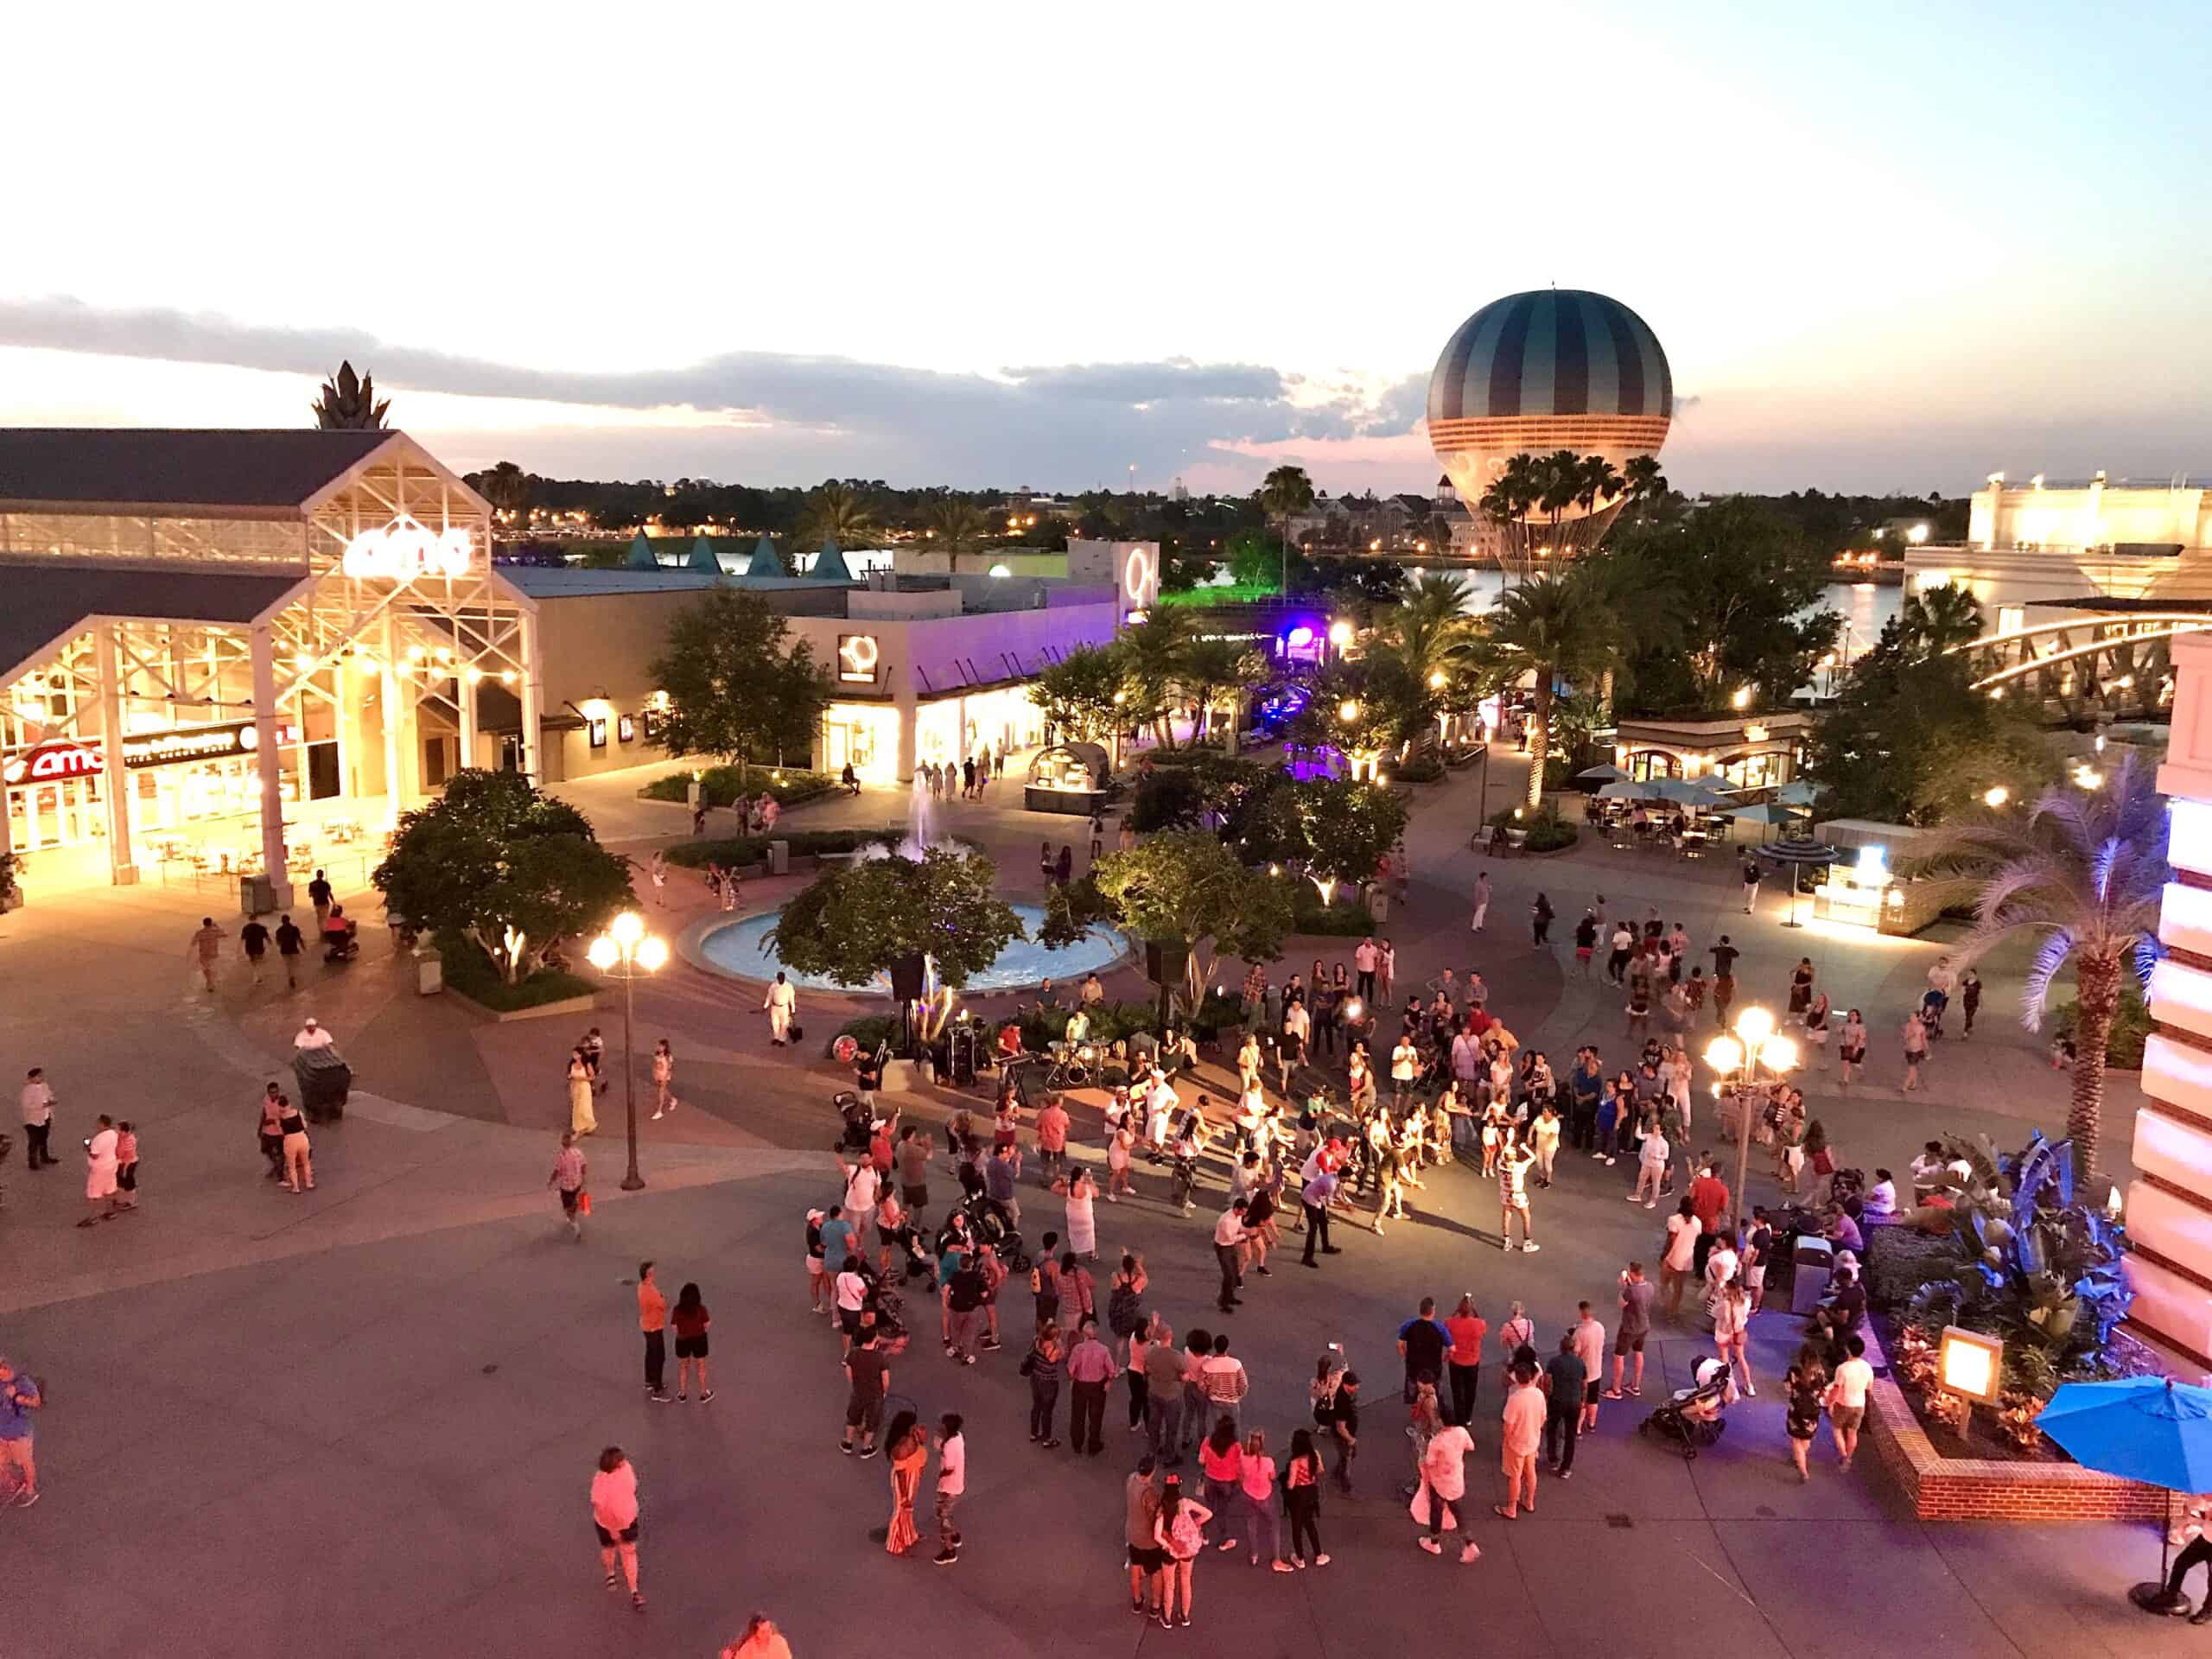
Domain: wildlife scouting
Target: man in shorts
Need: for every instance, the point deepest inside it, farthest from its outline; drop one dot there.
(1847, 1400)
(1638, 1295)
(951, 1482)
(19, 1397)
(913, 1157)
(1140, 1504)
(851, 1294)
(1590, 1348)
(869, 1373)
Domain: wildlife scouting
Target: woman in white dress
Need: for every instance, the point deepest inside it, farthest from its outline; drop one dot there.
(1082, 1223)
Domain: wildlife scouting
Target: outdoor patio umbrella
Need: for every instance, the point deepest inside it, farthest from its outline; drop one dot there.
(2146, 1429)
(1688, 792)
(1625, 789)
(1604, 774)
(1793, 850)
(1798, 794)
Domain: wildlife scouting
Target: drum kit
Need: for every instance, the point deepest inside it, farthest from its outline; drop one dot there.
(1073, 1065)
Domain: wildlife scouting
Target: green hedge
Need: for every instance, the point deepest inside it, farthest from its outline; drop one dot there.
(867, 1031)
(1347, 918)
(1423, 770)
(721, 787)
(1547, 831)
(738, 851)
(472, 973)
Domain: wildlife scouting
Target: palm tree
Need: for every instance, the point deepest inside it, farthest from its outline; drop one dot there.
(1935, 619)
(1154, 653)
(1552, 626)
(1287, 492)
(838, 512)
(507, 487)
(2083, 872)
(1511, 497)
(1596, 481)
(349, 403)
(956, 526)
(1643, 480)
(1211, 673)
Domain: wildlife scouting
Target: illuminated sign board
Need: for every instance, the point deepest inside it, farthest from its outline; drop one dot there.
(856, 658)
(1140, 577)
(404, 549)
(49, 762)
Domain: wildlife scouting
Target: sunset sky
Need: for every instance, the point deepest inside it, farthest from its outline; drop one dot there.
(1885, 245)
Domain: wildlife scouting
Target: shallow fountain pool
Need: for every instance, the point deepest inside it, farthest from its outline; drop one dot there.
(741, 948)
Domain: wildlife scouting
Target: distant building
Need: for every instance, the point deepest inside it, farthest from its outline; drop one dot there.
(2045, 542)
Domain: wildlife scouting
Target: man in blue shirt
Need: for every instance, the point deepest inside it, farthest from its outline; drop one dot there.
(840, 1239)
(1422, 1341)
(19, 1397)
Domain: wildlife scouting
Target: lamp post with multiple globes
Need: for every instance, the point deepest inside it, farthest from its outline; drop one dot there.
(1755, 1046)
(626, 950)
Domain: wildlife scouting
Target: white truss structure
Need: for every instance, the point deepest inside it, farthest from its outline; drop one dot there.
(427, 642)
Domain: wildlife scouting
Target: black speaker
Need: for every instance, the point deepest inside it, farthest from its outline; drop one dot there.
(907, 978)
(1164, 961)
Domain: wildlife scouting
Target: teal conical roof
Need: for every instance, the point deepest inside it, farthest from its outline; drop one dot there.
(829, 564)
(764, 562)
(641, 555)
(702, 557)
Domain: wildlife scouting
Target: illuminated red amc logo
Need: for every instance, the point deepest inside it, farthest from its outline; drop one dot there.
(51, 763)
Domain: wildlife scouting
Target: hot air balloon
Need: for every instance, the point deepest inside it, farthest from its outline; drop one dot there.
(1535, 374)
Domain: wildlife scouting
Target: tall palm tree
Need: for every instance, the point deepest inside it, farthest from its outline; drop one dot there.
(838, 512)
(348, 403)
(1643, 480)
(507, 487)
(1596, 481)
(2083, 871)
(1554, 624)
(1154, 654)
(1430, 630)
(956, 526)
(1935, 619)
(1511, 497)
(1287, 492)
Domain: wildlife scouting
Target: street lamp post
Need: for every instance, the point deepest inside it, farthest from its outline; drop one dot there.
(626, 950)
(1756, 1044)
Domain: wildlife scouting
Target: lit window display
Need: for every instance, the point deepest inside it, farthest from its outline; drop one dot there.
(864, 735)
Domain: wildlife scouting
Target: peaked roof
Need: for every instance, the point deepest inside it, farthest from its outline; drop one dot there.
(764, 562)
(642, 556)
(48, 602)
(829, 564)
(702, 557)
(122, 467)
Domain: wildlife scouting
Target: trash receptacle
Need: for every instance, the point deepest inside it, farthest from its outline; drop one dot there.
(429, 970)
(780, 858)
(325, 1080)
(256, 895)
(1811, 1265)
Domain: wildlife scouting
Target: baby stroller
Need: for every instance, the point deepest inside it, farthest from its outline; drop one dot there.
(884, 1302)
(981, 1221)
(1693, 1417)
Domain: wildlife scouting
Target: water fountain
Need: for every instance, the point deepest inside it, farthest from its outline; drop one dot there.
(740, 947)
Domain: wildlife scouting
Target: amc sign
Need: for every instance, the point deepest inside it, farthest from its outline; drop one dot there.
(404, 549)
(56, 762)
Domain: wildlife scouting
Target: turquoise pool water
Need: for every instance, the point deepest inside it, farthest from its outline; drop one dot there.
(741, 948)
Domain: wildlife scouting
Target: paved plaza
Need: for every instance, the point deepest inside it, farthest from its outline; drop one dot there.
(363, 1421)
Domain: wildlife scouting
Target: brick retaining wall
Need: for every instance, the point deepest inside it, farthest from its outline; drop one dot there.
(1991, 1489)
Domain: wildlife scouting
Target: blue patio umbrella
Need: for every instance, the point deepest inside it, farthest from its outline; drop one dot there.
(1796, 794)
(2147, 1428)
(1626, 789)
(1603, 774)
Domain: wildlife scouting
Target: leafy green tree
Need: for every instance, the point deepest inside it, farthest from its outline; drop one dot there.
(1212, 676)
(852, 923)
(508, 868)
(1084, 695)
(1328, 830)
(2083, 873)
(1154, 657)
(1742, 577)
(1180, 888)
(1911, 741)
(1255, 560)
(735, 690)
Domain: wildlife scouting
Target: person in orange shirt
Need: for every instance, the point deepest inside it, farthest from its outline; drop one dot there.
(653, 1320)
(1053, 1138)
